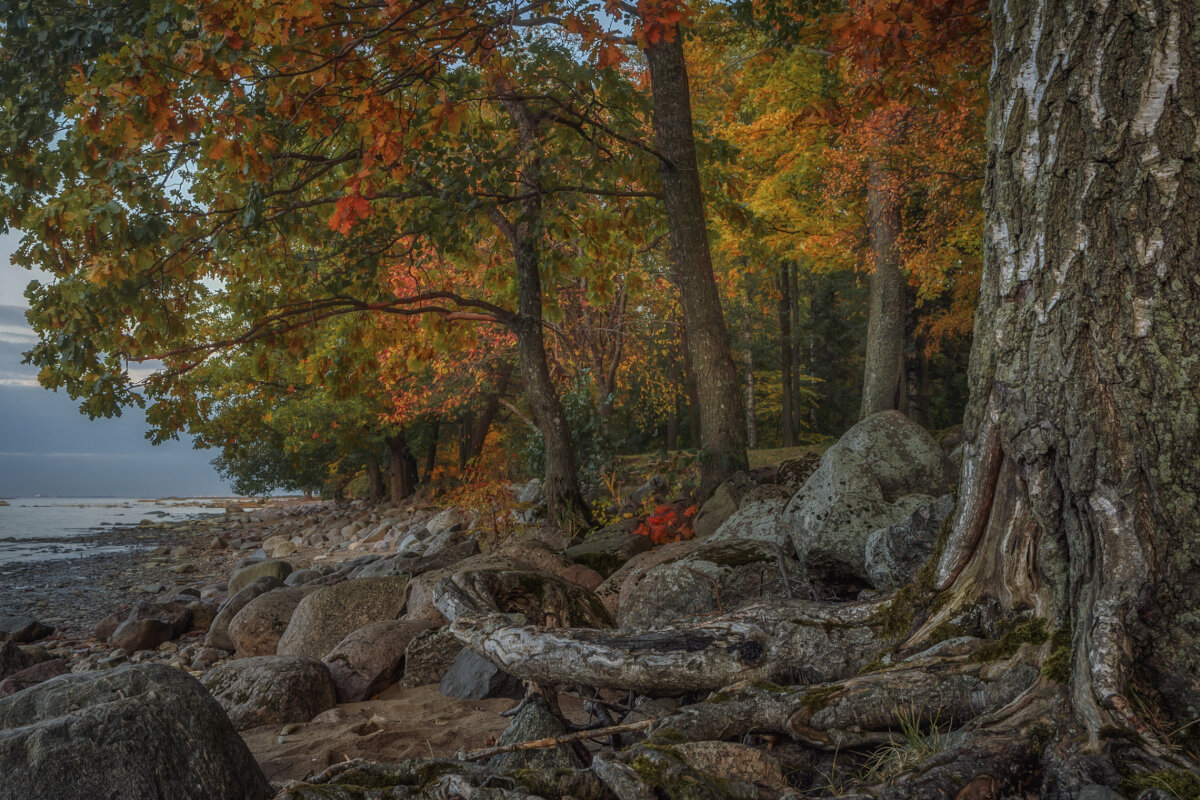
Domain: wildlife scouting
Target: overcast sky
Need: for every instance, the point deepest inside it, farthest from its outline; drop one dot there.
(47, 447)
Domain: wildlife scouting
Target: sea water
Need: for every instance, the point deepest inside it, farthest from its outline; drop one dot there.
(39, 528)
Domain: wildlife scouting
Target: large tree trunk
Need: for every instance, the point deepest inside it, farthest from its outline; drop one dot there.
(402, 467)
(1080, 489)
(787, 415)
(722, 434)
(883, 376)
(375, 485)
(435, 428)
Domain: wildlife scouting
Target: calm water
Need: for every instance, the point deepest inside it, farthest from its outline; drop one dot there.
(38, 528)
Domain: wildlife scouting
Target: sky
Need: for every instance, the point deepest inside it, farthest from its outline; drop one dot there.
(48, 448)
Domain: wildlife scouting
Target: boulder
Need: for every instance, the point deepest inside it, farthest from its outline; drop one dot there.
(371, 658)
(140, 634)
(532, 723)
(716, 576)
(301, 577)
(203, 614)
(328, 615)
(218, 632)
(428, 657)
(720, 507)
(105, 627)
(449, 520)
(20, 628)
(895, 554)
(831, 517)
(473, 677)
(544, 599)
(256, 629)
(583, 576)
(271, 690)
(13, 659)
(532, 493)
(31, 676)
(618, 584)
(757, 518)
(903, 457)
(246, 575)
(137, 732)
(173, 613)
(611, 547)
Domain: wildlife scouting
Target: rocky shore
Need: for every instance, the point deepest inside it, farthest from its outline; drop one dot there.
(753, 646)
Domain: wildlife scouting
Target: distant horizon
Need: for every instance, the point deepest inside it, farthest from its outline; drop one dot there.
(48, 448)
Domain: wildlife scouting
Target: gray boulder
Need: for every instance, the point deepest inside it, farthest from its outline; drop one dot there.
(371, 658)
(473, 677)
(429, 656)
(301, 577)
(904, 457)
(715, 576)
(257, 628)
(328, 615)
(245, 576)
(137, 732)
(723, 503)
(134, 634)
(609, 548)
(534, 722)
(271, 690)
(218, 631)
(895, 554)
(757, 518)
(874, 477)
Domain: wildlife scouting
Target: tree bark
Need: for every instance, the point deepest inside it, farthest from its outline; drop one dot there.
(402, 467)
(565, 503)
(1080, 486)
(722, 434)
(883, 375)
(431, 453)
(375, 483)
(788, 414)
(483, 423)
(748, 373)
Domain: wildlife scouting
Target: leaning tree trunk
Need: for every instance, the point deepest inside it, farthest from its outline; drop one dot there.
(564, 501)
(722, 432)
(883, 375)
(1080, 489)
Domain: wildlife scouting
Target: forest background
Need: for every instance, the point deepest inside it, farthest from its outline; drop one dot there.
(324, 235)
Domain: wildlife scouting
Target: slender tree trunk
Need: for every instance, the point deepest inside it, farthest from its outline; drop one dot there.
(564, 500)
(1080, 489)
(787, 416)
(723, 440)
(883, 375)
(483, 423)
(693, 400)
(431, 453)
(565, 503)
(748, 372)
(464, 440)
(792, 276)
(402, 467)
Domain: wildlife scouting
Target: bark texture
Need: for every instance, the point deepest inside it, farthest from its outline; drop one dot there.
(883, 376)
(788, 415)
(1080, 487)
(722, 430)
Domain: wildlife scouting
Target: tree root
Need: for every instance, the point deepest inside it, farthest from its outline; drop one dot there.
(779, 641)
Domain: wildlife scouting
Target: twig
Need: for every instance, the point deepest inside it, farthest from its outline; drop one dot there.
(555, 741)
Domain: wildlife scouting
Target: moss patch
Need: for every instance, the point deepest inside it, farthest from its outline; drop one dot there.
(1013, 634)
(1057, 666)
(1179, 784)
